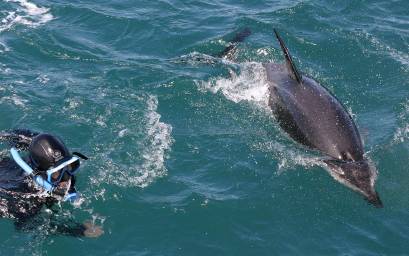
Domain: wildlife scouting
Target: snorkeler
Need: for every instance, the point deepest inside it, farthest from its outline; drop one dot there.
(39, 172)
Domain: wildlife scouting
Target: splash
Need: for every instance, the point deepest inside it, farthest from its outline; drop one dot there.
(152, 140)
(27, 13)
(159, 142)
(250, 85)
(196, 58)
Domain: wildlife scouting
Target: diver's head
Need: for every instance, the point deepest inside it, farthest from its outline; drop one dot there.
(49, 156)
(51, 160)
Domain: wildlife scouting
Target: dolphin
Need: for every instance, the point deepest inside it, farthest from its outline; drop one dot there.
(315, 118)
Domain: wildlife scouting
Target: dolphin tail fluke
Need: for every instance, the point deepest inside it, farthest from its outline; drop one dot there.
(229, 50)
(292, 69)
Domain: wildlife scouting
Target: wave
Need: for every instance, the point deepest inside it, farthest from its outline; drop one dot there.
(27, 13)
(386, 49)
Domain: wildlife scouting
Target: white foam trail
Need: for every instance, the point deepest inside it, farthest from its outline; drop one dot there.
(30, 8)
(159, 136)
(43, 79)
(401, 57)
(250, 85)
(153, 141)
(72, 103)
(196, 58)
(28, 14)
(3, 47)
(14, 99)
(122, 132)
(402, 133)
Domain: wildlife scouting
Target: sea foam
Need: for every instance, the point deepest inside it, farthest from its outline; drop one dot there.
(145, 132)
(26, 13)
(250, 85)
(159, 136)
(402, 132)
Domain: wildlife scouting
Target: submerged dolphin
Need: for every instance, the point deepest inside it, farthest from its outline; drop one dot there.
(314, 117)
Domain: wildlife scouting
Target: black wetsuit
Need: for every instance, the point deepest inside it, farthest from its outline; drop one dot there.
(21, 200)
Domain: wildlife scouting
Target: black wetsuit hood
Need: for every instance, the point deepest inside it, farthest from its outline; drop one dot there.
(46, 150)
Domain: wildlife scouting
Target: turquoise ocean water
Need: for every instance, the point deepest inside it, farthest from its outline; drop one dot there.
(186, 158)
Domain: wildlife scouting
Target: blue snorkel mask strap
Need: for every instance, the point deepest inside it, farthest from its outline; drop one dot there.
(74, 196)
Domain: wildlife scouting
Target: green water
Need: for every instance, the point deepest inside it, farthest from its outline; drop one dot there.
(186, 158)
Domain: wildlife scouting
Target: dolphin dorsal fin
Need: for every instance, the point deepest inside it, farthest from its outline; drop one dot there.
(288, 60)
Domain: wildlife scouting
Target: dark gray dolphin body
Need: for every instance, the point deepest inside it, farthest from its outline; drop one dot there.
(314, 117)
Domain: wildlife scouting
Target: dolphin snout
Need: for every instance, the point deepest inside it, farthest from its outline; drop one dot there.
(359, 176)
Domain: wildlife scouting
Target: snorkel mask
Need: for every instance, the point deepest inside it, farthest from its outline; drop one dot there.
(54, 176)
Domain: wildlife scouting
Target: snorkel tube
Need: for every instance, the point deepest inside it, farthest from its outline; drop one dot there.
(38, 179)
(72, 197)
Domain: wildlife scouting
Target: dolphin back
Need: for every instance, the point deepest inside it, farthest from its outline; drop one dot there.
(309, 113)
(312, 116)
